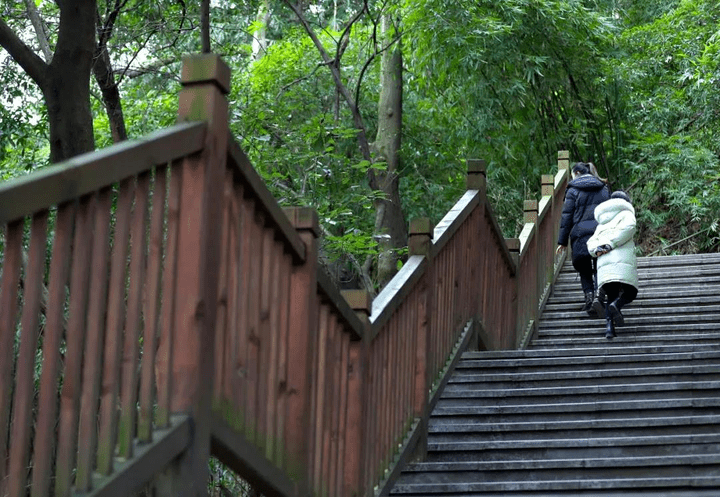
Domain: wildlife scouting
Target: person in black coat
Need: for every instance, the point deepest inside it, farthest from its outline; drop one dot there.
(584, 192)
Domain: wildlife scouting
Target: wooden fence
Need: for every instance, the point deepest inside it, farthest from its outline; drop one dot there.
(157, 306)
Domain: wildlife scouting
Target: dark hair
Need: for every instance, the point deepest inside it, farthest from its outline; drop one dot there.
(581, 168)
(620, 194)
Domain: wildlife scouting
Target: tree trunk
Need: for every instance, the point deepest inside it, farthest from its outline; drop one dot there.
(390, 227)
(105, 76)
(65, 82)
(67, 88)
(259, 43)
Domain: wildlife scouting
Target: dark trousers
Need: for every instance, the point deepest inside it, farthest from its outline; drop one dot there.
(620, 293)
(585, 268)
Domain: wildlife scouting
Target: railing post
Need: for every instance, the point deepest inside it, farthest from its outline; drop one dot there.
(356, 444)
(530, 211)
(563, 165)
(476, 175)
(547, 188)
(530, 215)
(303, 334)
(513, 245)
(420, 243)
(206, 81)
(476, 179)
(563, 160)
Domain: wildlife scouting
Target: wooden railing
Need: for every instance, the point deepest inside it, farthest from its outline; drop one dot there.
(181, 313)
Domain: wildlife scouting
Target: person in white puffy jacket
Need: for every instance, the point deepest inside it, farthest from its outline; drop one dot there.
(612, 244)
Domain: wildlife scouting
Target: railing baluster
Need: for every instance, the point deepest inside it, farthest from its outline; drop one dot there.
(167, 313)
(94, 343)
(114, 330)
(74, 342)
(43, 448)
(23, 417)
(151, 303)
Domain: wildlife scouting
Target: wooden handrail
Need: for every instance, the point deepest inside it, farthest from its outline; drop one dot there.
(90, 172)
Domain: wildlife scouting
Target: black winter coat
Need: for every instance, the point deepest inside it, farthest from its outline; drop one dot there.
(583, 194)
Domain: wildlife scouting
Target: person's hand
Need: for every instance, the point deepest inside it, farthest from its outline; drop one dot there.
(602, 250)
(560, 249)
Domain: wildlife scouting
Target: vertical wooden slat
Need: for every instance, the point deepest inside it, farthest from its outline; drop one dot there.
(248, 254)
(272, 364)
(24, 390)
(230, 383)
(166, 344)
(320, 380)
(74, 341)
(384, 397)
(131, 346)
(353, 460)
(43, 448)
(222, 328)
(114, 330)
(152, 306)
(336, 396)
(12, 262)
(282, 360)
(342, 410)
(252, 353)
(265, 334)
(373, 439)
(92, 367)
(329, 404)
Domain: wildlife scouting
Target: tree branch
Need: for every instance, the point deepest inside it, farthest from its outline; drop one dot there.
(31, 63)
(40, 33)
(335, 71)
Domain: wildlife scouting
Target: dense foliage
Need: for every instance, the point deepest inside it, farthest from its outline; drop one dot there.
(631, 86)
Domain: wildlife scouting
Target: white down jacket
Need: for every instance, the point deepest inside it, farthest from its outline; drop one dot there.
(616, 227)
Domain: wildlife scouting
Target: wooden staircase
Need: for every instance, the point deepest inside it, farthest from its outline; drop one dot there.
(577, 414)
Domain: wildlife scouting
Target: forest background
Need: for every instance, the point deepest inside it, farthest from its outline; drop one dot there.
(367, 110)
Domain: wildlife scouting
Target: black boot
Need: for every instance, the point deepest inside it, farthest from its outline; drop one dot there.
(610, 328)
(615, 314)
(588, 303)
(598, 303)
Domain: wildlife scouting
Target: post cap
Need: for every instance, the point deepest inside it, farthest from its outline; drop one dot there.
(476, 166)
(303, 218)
(421, 226)
(359, 300)
(205, 68)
